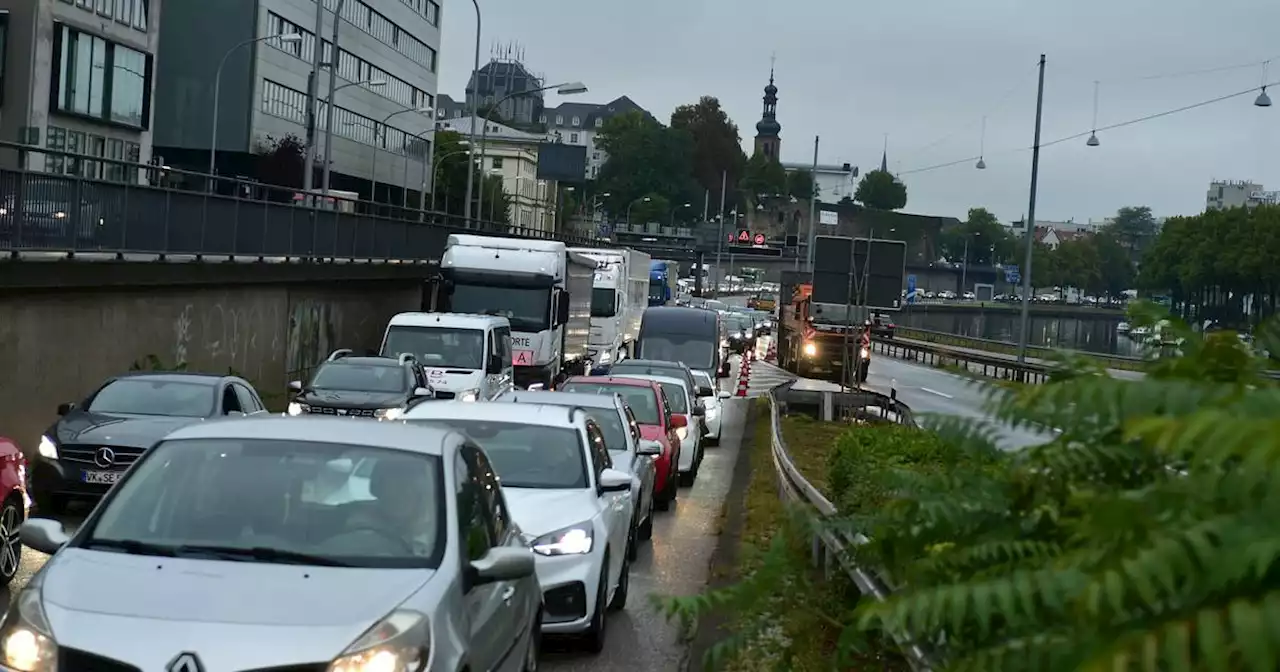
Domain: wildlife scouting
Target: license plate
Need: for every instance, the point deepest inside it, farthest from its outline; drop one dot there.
(522, 357)
(101, 477)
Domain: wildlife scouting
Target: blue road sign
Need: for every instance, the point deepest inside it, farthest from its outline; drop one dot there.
(911, 288)
(1011, 274)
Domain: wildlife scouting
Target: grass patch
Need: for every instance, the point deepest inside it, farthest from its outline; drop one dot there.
(811, 443)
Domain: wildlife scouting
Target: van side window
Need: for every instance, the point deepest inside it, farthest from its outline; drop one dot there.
(502, 337)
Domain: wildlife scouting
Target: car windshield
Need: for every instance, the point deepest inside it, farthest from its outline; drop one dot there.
(694, 351)
(647, 369)
(348, 377)
(615, 437)
(742, 323)
(657, 289)
(604, 302)
(527, 308)
(283, 501)
(437, 347)
(528, 456)
(643, 403)
(154, 396)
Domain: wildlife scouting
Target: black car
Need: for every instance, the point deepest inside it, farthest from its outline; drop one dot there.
(95, 441)
(361, 387)
(742, 332)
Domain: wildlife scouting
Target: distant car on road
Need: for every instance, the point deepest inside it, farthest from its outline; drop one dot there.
(93, 442)
(362, 387)
(355, 546)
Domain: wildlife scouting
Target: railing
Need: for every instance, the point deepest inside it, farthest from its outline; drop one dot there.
(986, 364)
(831, 547)
(1125, 362)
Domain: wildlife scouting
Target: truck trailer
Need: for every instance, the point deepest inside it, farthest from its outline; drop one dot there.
(618, 298)
(540, 286)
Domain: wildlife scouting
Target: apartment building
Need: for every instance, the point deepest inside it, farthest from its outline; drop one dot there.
(386, 67)
(580, 124)
(1224, 194)
(77, 76)
(513, 154)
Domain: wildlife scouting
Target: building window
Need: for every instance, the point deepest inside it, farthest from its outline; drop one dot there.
(87, 4)
(141, 10)
(559, 120)
(105, 6)
(573, 138)
(124, 11)
(101, 79)
(4, 46)
(281, 101)
(577, 122)
(75, 142)
(599, 122)
(433, 13)
(497, 162)
(542, 119)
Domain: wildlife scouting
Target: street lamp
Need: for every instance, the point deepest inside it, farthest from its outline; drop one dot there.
(565, 89)
(328, 126)
(217, 88)
(646, 199)
(404, 187)
(435, 171)
(675, 209)
(379, 135)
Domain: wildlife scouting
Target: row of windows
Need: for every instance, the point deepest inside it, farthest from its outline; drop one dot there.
(128, 12)
(350, 67)
(281, 101)
(429, 9)
(575, 122)
(77, 142)
(101, 79)
(365, 18)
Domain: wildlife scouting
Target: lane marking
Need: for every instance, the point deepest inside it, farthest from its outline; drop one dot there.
(940, 394)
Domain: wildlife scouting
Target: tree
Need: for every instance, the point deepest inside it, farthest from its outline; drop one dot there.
(717, 147)
(763, 176)
(645, 158)
(1115, 269)
(987, 240)
(449, 163)
(1134, 228)
(280, 162)
(1076, 264)
(880, 190)
(652, 207)
(800, 184)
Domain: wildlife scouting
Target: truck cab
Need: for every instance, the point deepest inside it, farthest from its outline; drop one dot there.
(818, 346)
(464, 357)
(619, 295)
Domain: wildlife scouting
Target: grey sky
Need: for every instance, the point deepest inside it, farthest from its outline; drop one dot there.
(925, 72)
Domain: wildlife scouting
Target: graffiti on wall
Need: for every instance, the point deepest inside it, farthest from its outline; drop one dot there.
(314, 327)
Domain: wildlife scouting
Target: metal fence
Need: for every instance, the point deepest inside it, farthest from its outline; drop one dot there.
(73, 204)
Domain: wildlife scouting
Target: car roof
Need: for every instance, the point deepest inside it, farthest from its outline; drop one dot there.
(662, 379)
(561, 398)
(523, 414)
(665, 317)
(172, 376)
(367, 361)
(394, 435)
(609, 380)
(654, 364)
(454, 320)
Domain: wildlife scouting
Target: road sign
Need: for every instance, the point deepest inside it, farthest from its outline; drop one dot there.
(877, 284)
(758, 239)
(911, 288)
(1011, 273)
(744, 237)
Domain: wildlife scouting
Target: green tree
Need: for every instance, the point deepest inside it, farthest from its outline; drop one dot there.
(988, 240)
(449, 165)
(651, 207)
(1077, 265)
(1134, 228)
(1116, 273)
(717, 148)
(763, 176)
(1045, 271)
(280, 162)
(645, 158)
(800, 184)
(880, 190)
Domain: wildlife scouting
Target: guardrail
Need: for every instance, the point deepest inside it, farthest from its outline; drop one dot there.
(832, 548)
(994, 346)
(989, 365)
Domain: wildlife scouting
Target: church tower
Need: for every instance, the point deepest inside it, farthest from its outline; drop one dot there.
(768, 128)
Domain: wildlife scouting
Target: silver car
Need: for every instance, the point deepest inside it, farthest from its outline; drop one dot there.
(286, 543)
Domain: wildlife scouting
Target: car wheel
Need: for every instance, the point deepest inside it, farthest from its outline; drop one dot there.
(51, 505)
(687, 478)
(619, 601)
(596, 631)
(11, 552)
(534, 652)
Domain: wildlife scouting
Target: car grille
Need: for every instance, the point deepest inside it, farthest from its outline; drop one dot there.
(84, 454)
(565, 603)
(349, 412)
(75, 660)
(305, 667)
(445, 395)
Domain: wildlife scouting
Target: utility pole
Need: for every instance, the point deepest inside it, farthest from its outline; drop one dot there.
(313, 86)
(813, 209)
(1030, 231)
(724, 183)
(328, 108)
(475, 103)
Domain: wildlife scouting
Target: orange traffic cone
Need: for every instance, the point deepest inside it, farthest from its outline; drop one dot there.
(772, 354)
(744, 374)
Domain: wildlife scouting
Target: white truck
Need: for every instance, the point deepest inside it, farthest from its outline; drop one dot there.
(540, 286)
(618, 299)
(464, 357)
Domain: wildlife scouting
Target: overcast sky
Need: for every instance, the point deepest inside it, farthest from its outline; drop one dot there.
(925, 72)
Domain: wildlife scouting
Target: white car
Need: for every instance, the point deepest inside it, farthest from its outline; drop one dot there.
(713, 404)
(630, 453)
(575, 509)
(682, 403)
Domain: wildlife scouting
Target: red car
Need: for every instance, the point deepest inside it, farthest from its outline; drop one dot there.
(13, 508)
(657, 423)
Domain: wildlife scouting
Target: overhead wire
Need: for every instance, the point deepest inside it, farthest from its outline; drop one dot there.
(998, 106)
(1122, 124)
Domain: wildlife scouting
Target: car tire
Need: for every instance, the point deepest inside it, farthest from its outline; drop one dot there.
(533, 654)
(11, 519)
(687, 478)
(619, 601)
(51, 505)
(595, 634)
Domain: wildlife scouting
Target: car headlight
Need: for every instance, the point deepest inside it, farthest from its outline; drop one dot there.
(59, 215)
(389, 413)
(297, 409)
(864, 353)
(48, 448)
(810, 349)
(576, 540)
(470, 395)
(682, 433)
(401, 641)
(28, 640)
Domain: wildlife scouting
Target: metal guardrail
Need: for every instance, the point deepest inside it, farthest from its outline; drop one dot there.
(989, 365)
(1004, 347)
(832, 548)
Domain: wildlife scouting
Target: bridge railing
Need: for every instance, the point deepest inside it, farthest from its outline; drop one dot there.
(994, 346)
(832, 547)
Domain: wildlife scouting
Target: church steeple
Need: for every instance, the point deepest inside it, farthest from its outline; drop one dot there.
(768, 129)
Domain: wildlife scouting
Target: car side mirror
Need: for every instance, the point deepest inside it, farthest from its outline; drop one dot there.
(502, 563)
(724, 394)
(295, 385)
(562, 309)
(649, 448)
(705, 391)
(612, 480)
(45, 535)
(534, 387)
(679, 422)
(698, 410)
(495, 364)
(65, 408)
(421, 391)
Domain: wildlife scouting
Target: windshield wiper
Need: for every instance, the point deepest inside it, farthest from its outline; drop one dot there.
(132, 547)
(260, 554)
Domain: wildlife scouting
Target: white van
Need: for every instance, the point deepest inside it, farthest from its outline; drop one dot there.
(465, 357)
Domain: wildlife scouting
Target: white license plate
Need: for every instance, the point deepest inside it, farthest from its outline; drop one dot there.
(101, 477)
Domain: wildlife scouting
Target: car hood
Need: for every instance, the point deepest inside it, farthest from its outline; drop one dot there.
(539, 512)
(136, 431)
(306, 613)
(351, 399)
(454, 380)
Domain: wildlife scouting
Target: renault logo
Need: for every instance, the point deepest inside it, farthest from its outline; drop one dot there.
(185, 662)
(104, 457)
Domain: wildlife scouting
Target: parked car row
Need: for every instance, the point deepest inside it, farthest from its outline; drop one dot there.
(363, 528)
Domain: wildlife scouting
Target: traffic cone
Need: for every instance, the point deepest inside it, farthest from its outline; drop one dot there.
(772, 354)
(744, 375)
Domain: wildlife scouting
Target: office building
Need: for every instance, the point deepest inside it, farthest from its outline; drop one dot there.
(1224, 194)
(513, 154)
(387, 60)
(831, 182)
(77, 76)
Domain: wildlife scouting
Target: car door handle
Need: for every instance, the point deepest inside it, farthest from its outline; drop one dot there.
(509, 593)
